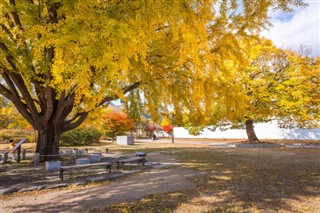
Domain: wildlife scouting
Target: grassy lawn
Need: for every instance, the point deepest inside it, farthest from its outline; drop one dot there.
(240, 180)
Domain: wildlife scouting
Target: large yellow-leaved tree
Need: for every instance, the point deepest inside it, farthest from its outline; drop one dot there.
(272, 83)
(60, 59)
(279, 84)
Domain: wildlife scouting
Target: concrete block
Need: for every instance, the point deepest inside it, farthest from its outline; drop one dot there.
(95, 179)
(5, 157)
(8, 190)
(80, 152)
(95, 158)
(125, 140)
(82, 161)
(37, 159)
(80, 183)
(52, 165)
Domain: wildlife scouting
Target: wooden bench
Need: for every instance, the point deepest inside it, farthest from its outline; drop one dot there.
(130, 160)
(63, 168)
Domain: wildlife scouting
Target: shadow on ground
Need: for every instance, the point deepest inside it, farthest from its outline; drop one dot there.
(150, 182)
(207, 180)
(258, 179)
(242, 180)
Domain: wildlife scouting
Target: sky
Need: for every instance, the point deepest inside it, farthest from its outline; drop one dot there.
(302, 27)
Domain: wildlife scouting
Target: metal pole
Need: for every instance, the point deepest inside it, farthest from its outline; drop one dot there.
(19, 154)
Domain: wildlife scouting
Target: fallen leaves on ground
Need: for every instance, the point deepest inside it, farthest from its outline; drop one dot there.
(241, 180)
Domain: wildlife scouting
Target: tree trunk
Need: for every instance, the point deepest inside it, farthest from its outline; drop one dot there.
(113, 135)
(252, 138)
(48, 143)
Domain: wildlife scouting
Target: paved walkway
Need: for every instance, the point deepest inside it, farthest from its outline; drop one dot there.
(148, 182)
(130, 189)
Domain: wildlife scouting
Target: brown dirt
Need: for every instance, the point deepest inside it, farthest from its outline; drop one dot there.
(150, 182)
(204, 179)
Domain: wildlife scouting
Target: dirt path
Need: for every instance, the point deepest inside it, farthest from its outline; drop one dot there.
(154, 181)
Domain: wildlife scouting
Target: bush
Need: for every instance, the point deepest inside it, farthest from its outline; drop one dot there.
(80, 137)
(17, 135)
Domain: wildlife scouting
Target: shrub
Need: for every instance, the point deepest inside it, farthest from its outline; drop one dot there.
(80, 137)
(16, 134)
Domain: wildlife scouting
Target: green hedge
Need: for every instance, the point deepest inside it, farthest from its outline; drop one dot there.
(80, 137)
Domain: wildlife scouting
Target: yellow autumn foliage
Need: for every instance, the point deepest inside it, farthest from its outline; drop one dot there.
(61, 59)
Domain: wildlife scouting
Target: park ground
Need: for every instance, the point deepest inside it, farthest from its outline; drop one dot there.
(181, 177)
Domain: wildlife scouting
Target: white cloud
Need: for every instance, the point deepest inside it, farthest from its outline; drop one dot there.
(300, 28)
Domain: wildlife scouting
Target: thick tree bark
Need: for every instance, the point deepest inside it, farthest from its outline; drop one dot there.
(252, 137)
(48, 143)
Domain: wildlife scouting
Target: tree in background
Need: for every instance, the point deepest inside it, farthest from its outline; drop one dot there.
(61, 59)
(167, 128)
(280, 85)
(115, 122)
(272, 84)
(166, 125)
(11, 118)
(150, 128)
(165, 121)
(3, 114)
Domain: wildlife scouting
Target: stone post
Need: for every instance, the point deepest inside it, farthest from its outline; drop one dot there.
(5, 157)
(76, 151)
(70, 156)
(24, 153)
(37, 159)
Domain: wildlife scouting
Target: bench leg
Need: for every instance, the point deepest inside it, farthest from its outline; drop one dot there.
(120, 165)
(109, 168)
(142, 161)
(61, 174)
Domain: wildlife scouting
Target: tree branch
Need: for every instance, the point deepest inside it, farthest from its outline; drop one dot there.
(64, 106)
(6, 92)
(15, 15)
(6, 30)
(74, 122)
(19, 83)
(125, 90)
(16, 99)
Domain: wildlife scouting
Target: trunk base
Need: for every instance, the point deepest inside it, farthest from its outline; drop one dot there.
(48, 144)
(252, 137)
